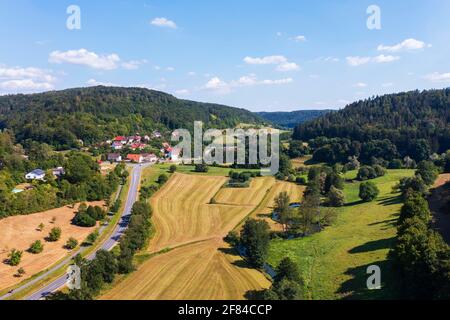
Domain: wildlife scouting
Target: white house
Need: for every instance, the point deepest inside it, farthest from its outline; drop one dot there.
(36, 174)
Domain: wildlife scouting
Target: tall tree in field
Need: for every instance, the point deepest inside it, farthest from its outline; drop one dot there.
(255, 238)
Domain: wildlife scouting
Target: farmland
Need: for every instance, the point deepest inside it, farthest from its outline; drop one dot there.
(333, 262)
(19, 232)
(201, 265)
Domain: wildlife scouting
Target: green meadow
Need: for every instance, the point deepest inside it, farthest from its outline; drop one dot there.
(333, 262)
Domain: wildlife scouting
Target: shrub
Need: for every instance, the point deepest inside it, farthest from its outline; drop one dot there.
(336, 197)
(36, 247)
(92, 237)
(201, 168)
(14, 257)
(300, 180)
(83, 220)
(162, 179)
(72, 243)
(368, 191)
(173, 168)
(54, 235)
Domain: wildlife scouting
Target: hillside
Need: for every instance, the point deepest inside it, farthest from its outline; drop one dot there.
(293, 118)
(415, 121)
(94, 114)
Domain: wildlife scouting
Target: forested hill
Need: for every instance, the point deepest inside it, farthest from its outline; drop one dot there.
(93, 114)
(293, 118)
(413, 121)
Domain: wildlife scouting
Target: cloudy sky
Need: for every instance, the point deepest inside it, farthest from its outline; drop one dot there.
(260, 55)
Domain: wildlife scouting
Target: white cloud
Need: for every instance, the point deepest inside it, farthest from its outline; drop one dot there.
(30, 79)
(358, 61)
(288, 66)
(192, 73)
(25, 84)
(133, 64)
(164, 22)
(279, 34)
(406, 45)
(157, 67)
(325, 59)
(93, 82)
(266, 60)
(86, 58)
(299, 38)
(387, 84)
(215, 83)
(218, 85)
(314, 76)
(360, 85)
(18, 73)
(438, 77)
(281, 61)
(384, 59)
(170, 69)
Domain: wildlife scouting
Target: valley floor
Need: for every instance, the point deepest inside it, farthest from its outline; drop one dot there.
(333, 262)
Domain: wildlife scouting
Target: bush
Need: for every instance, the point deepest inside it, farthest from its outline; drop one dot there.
(162, 179)
(173, 168)
(36, 247)
(395, 164)
(232, 238)
(14, 257)
(84, 220)
(71, 244)
(54, 235)
(300, 180)
(336, 197)
(368, 191)
(201, 168)
(92, 237)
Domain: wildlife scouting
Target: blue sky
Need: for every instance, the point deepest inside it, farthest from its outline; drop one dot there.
(259, 55)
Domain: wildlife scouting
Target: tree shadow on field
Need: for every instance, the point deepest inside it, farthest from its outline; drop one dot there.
(354, 203)
(229, 251)
(356, 287)
(373, 245)
(388, 201)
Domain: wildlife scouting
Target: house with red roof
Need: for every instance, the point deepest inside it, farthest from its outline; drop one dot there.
(136, 158)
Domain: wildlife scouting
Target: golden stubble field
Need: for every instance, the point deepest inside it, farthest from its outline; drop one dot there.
(19, 232)
(201, 265)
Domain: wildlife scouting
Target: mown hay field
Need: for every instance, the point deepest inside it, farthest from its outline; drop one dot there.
(200, 265)
(19, 232)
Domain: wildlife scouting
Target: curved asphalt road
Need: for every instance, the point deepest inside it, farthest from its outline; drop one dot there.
(107, 245)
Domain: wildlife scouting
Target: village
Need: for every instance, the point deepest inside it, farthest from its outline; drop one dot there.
(135, 149)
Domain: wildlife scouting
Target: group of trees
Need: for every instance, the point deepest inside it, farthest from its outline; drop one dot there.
(106, 265)
(425, 177)
(88, 216)
(82, 180)
(370, 172)
(414, 124)
(422, 256)
(63, 118)
(135, 236)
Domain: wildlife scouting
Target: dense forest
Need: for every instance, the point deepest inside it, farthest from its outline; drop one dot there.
(61, 118)
(414, 124)
(293, 118)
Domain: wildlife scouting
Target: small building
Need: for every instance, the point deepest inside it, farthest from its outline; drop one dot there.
(117, 145)
(121, 139)
(58, 172)
(136, 146)
(156, 134)
(136, 158)
(37, 174)
(149, 157)
(114, 157)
